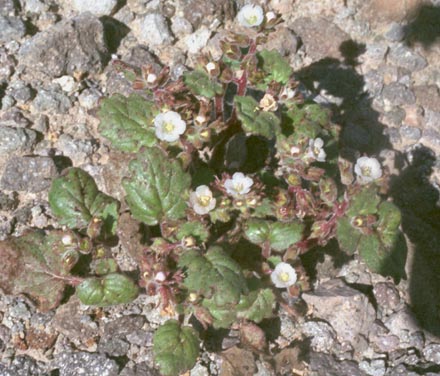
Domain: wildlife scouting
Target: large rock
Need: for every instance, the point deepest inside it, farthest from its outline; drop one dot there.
(84, 363)
(347, 310)
(325, 365)
(321, 37)
(382, 12)
(29, 174)
(73, 45)
(152, 30)
(16, 140)
(11, 28)
(99, 8)
(406, 58)
(428, 96)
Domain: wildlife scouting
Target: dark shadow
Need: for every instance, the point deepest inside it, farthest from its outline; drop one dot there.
(425, 28)
(362, 130)
(114, 32)
(418, 202)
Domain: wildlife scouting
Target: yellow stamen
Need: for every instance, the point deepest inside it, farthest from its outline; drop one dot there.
(284, 277)
(204, 200)
(252, 20)
(366, 170)
(168, 127)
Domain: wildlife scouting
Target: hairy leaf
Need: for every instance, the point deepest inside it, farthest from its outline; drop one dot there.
(201, 84)
(35, 264)
(214, 275)
(365, 202)
(156, 187)
(279, 235)
(307, 120)
(75, 200)
(257, 305)
(372, 252)
(254, 120)
(175, 348)
(111, 289)
(127, 122)
(389, 222)
(276, 67)
(195, 229)
(222, 316)
(348, 237)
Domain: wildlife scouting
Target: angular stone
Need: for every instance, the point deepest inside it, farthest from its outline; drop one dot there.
(395, 33)
(7, 7)
(52, 100)
(404, 57)
(84, 363)
(203, 12)
(432, 353)
(282, 40)
(322, 335)
(428, 96)
(397, 94)
(321, 37)
(326, 365)
(152, 30)
(385, 11)
(114, 341)
(16, 140)
(411, 133)
(403, 325)
(22, 365)
(29, 174)
(387, 296)
(347, 310)
(98, 8)
(72, 45)
(11, 28)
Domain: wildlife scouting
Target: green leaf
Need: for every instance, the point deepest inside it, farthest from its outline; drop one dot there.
(35, 264)
(364, 202)
(156, 187)
(257, 305)
(283, 235)
(195, 229)
(279, 235)
(276, 67)
(199, 83)
(175, 348)
(305, 121)
(254, 120)
(372, 252)
(127, 122)
(111, 289)
(389, 222)
(75, 200)
(214, 275)
(348, 237)
(257, 231)
(222, 316)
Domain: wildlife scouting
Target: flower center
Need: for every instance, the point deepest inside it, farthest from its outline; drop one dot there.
(366, 170)
(284, 277)
(238, 187)
(168, 127)
(252, 20)
(316, 150)
(204, 200)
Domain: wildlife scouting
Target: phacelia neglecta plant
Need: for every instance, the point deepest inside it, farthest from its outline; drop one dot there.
(235, 175)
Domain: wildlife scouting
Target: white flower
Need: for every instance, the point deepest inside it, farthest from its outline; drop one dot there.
(316, 151)
(238, 185)
(367, 169)
(283, 275)
(169, 126)
(250, 15)
(151, 78)
(201, 200)
(268, 103)
(270, 16)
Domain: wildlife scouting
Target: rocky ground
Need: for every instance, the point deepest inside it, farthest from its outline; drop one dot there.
(375, 62)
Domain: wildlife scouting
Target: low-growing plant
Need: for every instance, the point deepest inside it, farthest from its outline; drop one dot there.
(233, 176)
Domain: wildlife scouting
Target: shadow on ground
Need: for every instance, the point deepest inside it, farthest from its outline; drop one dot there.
(411, 190)
(425, 27)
